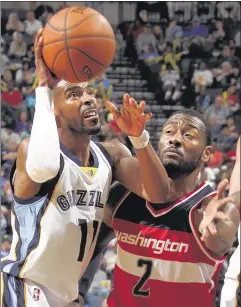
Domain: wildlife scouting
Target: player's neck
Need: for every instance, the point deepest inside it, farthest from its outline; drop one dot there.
(181, 187)
(78, 144)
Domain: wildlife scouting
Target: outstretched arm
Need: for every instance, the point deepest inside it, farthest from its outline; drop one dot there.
(220, 216)
(143, 174)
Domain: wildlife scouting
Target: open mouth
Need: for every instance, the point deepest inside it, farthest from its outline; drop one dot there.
(90, 114)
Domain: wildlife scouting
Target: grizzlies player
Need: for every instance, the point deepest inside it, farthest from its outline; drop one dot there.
(61, 182)
(162, 256)
(230, 296)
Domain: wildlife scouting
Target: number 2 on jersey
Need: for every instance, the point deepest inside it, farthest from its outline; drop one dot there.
(84, 231)
(137, 289)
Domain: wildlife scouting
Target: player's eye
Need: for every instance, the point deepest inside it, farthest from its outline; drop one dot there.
(90, 92)
(74, 95)
(188, 135)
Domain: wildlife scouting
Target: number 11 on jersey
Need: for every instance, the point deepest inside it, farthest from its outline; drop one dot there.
(84, 231)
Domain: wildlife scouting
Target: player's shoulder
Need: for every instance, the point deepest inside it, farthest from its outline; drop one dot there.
(116, 149)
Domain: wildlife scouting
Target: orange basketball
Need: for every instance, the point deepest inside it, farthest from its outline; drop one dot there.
(78, 44)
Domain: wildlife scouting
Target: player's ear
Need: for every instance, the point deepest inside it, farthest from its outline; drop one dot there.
(206, 154)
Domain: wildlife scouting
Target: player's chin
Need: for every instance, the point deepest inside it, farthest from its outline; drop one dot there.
(92, 129)
(171, 159)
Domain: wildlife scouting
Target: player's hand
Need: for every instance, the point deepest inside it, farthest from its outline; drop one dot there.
(131, 119)
(45, 77)
(212, 211)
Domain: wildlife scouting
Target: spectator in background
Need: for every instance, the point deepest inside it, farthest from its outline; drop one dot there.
(225, 141)
(203, 100)
(202, 77)
(231, 98)
(32, 25)
(227, 56)
(219, 110)
(145, 39)
(14, 24)
(18, 47)
(102, 87)
(22, 124)
(171, 58)
(214, 125)
(197, 30)
(19, 77)
(231, 126)
(135, 30)
(225, 77)
(7, 77)
(120, 42)
(12, 96)
(30, 56)
(5, 244)
(237, 39)
(10, 154)
(217, 156)
(173, 31)
(5, 61)
(148, 53)
(158, 33)
(219, 35)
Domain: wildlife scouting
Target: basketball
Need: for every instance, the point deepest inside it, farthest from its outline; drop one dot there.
(78, 44)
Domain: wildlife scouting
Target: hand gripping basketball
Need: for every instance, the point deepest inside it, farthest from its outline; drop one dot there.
(131, 119)
(45, 77)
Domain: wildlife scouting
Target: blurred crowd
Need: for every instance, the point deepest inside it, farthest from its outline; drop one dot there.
(188, 56)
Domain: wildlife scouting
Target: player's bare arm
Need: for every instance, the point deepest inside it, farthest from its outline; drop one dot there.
(38, 158)
(234, 189)
(220, 216)
(144, 175)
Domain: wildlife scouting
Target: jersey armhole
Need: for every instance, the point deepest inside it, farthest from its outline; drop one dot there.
(46, 189)
(195, 233)
(108, 158)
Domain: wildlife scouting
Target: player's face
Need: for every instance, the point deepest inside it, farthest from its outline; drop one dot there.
(77, 106)
(182, 146)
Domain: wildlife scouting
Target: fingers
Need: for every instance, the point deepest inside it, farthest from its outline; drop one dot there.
(221, 188)
(112, 108)
(38, 44)
(126, 99)
(39, 34)
(148, 116)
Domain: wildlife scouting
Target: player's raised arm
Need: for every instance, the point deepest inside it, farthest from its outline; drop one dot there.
(144, 175)
(39, 158)
(43, 158)
(221, 216)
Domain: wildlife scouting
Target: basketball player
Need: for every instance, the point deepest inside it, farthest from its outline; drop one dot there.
(61, 182)
(230, 296)
(162, 258)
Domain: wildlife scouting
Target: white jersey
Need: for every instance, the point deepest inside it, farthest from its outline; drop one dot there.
(234, 262)
(230, 295)
(55, 232)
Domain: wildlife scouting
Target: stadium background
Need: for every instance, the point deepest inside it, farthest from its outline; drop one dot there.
(170, 54)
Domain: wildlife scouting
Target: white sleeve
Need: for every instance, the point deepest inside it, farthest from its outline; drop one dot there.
(43, 158)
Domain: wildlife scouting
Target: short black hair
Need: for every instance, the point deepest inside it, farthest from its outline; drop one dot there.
(224, 126)
(194, 113)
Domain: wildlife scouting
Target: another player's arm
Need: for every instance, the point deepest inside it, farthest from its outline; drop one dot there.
(234, 189)
(38, 158)
(218, 219)
(143, 174)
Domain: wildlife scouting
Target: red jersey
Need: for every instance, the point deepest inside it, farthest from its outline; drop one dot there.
(161, 261)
